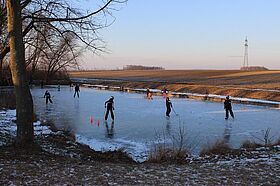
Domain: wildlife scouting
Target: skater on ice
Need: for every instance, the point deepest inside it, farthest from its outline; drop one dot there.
(228, 107)
(168, 106)
(48, 97)
(164, 92)
(77, 90)
(149, 94)
(110, 107)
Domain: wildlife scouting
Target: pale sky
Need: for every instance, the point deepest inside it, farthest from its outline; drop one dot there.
(191, 34)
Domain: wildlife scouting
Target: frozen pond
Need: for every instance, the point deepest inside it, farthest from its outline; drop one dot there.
(138, 120)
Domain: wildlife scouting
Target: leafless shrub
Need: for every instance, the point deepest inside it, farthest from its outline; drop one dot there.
(170, 149)
(69, 133)
(266, 138)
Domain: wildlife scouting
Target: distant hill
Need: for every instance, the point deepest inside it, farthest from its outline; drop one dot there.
(253, 68)
(141, 67)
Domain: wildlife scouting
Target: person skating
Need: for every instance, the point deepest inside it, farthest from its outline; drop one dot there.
(149, 94)
(110, 107)
(48, 97)
(228, 107)
(77, 90)
(164, 92)
(168, 106)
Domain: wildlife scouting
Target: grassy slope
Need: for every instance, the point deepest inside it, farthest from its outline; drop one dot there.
(223, 82)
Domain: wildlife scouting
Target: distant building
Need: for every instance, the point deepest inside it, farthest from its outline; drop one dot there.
(253, 68)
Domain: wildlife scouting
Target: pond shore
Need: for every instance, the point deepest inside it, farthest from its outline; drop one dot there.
(59, 160)
(196, 96)
(196, 84)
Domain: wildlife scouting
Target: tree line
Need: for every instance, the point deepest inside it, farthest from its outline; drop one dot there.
(141, 67)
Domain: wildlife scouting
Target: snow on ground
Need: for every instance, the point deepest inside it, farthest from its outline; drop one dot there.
(250, 89)
(7, 126)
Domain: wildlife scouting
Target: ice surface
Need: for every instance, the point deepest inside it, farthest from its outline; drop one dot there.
(138, 120)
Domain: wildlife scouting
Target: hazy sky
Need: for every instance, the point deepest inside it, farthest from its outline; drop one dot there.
(192, 34)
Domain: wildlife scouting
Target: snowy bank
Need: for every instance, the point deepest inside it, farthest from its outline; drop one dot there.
(7, 126)
(209, 97)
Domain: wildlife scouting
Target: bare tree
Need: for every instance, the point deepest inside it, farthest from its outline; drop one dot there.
(3, 34)
(35, 47)
(24, 102)
(63, 55)
(53, 56)
(62, 20)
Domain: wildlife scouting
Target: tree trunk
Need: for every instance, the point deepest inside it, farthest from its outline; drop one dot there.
(1, 44)
(1, 71)
(24, 102)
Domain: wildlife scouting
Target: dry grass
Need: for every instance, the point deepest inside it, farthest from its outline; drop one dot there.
(250, 145)
(235, 83)
(209, 77)
(277, 142)
(152, 73)
(218, 148)
(162, 154)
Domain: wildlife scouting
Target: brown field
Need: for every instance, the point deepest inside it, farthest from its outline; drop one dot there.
(223, 82)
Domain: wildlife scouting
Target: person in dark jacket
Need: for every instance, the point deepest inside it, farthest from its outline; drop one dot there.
(77, 90)
(110, 107)
(228, 107)
(168, 106)
(48, 97)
